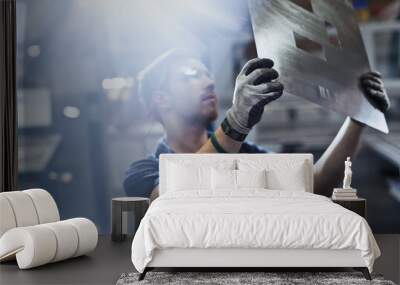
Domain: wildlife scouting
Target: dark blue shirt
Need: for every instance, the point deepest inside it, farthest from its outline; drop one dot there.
(142, 175)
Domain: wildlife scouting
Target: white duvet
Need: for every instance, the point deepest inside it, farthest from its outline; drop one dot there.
(253, 218)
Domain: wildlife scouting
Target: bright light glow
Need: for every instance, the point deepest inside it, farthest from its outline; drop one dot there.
(66, 177)
(117, 83)
(33, 51)
(71, 112)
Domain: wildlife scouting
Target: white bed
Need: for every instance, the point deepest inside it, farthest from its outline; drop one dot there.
(280, 225)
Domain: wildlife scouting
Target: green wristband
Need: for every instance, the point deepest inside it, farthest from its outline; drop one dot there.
(216, 144)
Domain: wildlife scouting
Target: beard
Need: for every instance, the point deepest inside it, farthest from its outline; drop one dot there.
(212, 116)
(203, 118)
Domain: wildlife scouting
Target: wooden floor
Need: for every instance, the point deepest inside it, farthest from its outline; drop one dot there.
(111, 259)
(103, 266)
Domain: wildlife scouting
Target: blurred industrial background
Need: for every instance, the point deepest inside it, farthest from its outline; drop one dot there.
(81, 123)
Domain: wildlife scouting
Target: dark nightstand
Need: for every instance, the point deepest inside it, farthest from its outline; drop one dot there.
(138, 205)
(358, 206)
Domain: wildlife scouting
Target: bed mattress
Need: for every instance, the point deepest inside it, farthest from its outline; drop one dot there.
(250, 219)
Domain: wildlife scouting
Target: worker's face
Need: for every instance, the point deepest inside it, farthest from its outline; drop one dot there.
(191, 91)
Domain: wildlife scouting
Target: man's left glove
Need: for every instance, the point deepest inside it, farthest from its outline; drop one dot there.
(255, 87)
(372, 86)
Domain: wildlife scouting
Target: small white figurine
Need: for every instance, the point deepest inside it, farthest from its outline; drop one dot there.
(347, 174)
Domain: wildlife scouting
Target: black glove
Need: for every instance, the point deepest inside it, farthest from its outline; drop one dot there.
(372, 86)
(253, 90)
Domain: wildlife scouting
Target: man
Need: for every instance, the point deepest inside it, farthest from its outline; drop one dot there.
(179, 92)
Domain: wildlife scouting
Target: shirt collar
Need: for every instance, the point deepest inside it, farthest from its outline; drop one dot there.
(163, 147)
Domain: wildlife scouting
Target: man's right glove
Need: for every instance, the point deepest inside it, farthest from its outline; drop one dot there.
(254, 89)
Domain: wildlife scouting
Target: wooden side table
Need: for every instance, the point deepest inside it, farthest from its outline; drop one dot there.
(358, 206)
(138, 205)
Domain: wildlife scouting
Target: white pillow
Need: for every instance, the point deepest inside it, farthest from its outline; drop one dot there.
(291, 180)
(181, 177)
(186, 174)
(251, 178)
(230, 180)
(223, 179)
(281, 174)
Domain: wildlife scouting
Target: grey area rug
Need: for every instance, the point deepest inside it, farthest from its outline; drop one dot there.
(225, 278)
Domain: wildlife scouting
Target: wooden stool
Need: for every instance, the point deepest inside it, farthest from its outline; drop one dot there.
(138, 205)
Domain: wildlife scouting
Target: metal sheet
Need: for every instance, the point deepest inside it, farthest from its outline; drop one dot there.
(310, 64)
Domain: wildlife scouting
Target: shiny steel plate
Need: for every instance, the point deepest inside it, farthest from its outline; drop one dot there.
(311, 65)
